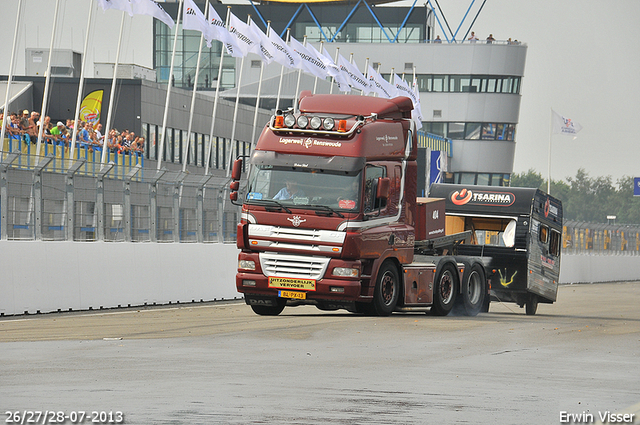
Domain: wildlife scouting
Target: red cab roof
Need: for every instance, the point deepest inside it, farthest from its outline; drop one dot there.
(344, 104)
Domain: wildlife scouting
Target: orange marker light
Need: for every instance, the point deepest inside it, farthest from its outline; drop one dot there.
(342, 126)
(279, 122)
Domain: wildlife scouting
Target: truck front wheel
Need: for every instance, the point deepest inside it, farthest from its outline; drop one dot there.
(271, 307)
(387, 290)
(444, 291)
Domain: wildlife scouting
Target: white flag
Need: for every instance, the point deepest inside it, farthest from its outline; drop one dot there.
(403, 89)
(244, 36)
(380, 85)
(358, 80)
(564, 125)
(309, 62)
(218, 31)
(284, 54)
(193, 19)
(267, 50)
(123, 5)
(344, 83)
(151, 8)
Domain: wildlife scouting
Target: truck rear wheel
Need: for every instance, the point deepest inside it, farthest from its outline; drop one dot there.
(531, 305)
(444, 290)
(387, 290)
(473, 290)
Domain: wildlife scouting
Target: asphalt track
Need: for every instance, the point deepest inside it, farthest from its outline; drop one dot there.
(221, 364)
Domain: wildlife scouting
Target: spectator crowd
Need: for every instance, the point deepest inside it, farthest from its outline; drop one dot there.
(26, 127)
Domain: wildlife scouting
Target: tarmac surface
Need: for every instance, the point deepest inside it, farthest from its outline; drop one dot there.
(220, 363)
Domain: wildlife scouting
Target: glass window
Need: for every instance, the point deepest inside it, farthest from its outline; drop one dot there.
(472, 131)
(456, 130)
(370, 201)
(491, 85)
(440, 83)
(437, 128)
(543, 236)
(501, 131)
(467, 178)
(483, 179)
(554, 244)
(488, 131)
(507, 83)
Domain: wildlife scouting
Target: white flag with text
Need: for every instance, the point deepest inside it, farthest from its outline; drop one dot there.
(193, 19)
(564, 125)
(357, 80)
(245, 38)
(284, 54)
(218, 31)
(123, 5)
(151, 8)
(309, 63)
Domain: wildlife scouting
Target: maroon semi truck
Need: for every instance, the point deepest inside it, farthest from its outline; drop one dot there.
(330, 216)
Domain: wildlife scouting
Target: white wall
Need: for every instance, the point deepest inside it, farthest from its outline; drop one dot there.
(51, 276)
(584, 268)
(47, 276)
(36, 24)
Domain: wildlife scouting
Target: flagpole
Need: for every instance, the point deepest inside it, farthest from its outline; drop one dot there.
(235, 109)
(193, 97)
(549, 159)
(255, 113)
(166, 105)
(282, 73)
(315, 82)
(47, 82)
(107, 127)
(6, 96)
(81, 83)
(295, 94)
(215, 100)
(366, 70)
(336, 62)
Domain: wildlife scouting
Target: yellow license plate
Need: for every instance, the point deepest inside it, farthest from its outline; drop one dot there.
(292, 283)
(294, 295)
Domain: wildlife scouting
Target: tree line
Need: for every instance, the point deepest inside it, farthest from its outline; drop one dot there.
(586, 198)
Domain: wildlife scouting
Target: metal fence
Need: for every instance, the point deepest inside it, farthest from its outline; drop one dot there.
(581, 237)
(51, 198)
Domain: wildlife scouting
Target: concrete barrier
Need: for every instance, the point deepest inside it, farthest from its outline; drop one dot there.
(590, 268)
(60, 276)
(50, 276)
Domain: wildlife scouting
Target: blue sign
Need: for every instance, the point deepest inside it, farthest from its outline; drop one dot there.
(436, 167)
(636, 186)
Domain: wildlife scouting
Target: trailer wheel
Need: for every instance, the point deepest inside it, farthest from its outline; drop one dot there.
(387, 290)
(531, 305)
(444, 291)
(473, 290)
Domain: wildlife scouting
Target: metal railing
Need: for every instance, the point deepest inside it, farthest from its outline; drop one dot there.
(597, 238)
(53, 198)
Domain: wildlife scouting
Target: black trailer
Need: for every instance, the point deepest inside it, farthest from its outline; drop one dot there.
(517, 233)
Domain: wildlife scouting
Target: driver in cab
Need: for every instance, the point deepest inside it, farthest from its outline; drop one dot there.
(290, 191)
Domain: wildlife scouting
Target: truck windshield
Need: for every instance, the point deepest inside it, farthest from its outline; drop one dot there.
(315, 188)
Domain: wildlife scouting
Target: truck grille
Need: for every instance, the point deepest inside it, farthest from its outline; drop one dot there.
(285, 265)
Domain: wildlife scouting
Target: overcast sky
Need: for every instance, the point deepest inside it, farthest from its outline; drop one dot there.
(583, 60)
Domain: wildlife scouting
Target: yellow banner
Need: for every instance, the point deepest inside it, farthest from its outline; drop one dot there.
(91, 106)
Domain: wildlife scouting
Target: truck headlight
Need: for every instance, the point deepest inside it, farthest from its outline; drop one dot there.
(246, 264)
(346, 272)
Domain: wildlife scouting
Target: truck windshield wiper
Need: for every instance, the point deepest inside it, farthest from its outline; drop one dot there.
(328, 209)
(277, 204)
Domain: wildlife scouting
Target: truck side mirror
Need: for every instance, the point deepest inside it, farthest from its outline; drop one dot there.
(233, 196)
(234, 186)
(382, 190)
(236, 171)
